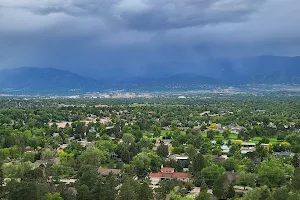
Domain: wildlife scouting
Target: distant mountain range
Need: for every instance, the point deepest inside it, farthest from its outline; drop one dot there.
(44, 79)
(255, 70)
(268, 69)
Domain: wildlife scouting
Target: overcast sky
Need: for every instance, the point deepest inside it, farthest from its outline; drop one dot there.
(130, 35)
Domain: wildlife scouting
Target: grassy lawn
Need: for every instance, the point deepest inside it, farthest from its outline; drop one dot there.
(164, 132)
(234, 137)
(256, 138)
(220, 136)
(272, 140)
(231, 137)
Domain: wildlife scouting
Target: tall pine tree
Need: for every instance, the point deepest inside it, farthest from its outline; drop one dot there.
(127, 191)
(220, 187)
(144, 192)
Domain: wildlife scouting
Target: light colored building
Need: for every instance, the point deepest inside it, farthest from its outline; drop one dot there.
(248, 147)
(236, 129)
(248, 144)
(179, 157)
(225, 149)
(205, 113)
(68, 181)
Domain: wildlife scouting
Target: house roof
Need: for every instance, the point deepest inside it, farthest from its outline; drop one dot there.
(167, 169)
(244, 151)
(27, 148)
(232, 176)
(248, 144)
(182, 157)
(179, 157)
(286, 153)
(104, 171)
(225, 147)
(219, 158)
(155, 175)
(60, 124)
(169, 175)
(68, 181)
(180, 175)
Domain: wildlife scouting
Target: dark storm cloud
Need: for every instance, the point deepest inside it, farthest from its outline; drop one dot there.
(169, 14)
(85, 35)
(125, 15)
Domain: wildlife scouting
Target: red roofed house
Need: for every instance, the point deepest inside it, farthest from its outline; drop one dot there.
(167, 173)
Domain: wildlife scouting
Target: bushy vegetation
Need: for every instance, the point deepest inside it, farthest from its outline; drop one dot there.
(53, 148)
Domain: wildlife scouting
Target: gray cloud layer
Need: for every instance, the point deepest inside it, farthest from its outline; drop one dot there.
(130, 34)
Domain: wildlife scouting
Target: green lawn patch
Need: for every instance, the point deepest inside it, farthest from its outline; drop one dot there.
(233, 136)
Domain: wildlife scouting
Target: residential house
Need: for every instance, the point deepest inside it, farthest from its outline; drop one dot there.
(167, 173)
(179, 157)
(248, 147)
(225, 149)
(283, 154)
(205, 113)
(167, 142)
(68, 181)
(183, 159)
(62, 146)
(221, 158)
(236, 129)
